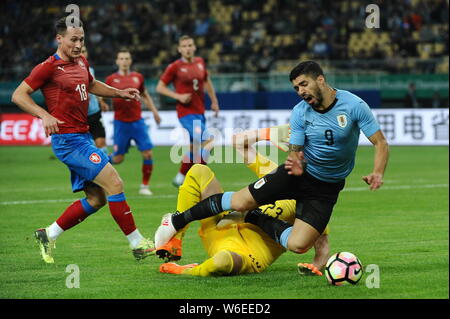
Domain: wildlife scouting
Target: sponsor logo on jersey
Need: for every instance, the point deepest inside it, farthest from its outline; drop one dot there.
(183, 70)
(116, 80)
(95, 158)
(259, 183)
(342, 120)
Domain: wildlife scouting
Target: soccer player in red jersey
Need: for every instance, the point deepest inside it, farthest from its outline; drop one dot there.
(128, 122)
(65, 82)
(190, 79)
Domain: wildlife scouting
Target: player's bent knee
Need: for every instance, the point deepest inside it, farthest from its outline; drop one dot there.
(199, 170)
(118, 159)
(117, 185)
(147, 155)
(298, 247)
(97, 201)
(242, 204)
(113, 184)
(223, 262)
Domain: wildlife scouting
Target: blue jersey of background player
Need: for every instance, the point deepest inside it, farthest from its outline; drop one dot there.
(96, 127)
(94, 105)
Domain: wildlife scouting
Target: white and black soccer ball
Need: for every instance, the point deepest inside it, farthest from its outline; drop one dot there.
(343, 268)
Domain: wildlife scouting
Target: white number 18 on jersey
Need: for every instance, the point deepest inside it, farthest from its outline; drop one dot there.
(81, 88)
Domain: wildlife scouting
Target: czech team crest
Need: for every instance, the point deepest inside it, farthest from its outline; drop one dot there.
(342, 120)
(95, 158)
(81, 64)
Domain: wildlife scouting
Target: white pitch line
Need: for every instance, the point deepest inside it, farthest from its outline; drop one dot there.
(359, 189)
(349, 189)
(58, 188)
(68, 200)
(23, 190)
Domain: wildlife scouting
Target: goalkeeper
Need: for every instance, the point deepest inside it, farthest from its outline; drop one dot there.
(236, 248)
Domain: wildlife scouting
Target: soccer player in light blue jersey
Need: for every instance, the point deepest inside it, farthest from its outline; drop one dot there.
(325, 130)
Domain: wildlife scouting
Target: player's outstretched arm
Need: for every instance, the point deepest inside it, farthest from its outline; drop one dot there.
(22, 98)
(101, 89)
(375, 179)
(163, 89)
(151, 106)
(277, 135)
(209, 87)
(243, 143)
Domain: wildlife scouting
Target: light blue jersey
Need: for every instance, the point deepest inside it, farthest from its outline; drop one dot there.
(330, 138)
(94, 106)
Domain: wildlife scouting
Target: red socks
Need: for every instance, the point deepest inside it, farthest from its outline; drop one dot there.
(184, 168)
(80, 210)
(75, 214)
(121, 213)
(147, 169)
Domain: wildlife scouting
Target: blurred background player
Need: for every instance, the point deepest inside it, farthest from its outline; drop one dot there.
(233, 248)
(128, 122)
(190, 79)
(65, 82)
(95, 113)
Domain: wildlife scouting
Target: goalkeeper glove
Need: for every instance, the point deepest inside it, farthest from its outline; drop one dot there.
(277, 135)
(308, 269)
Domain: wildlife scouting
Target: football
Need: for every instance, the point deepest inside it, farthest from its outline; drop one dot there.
(343, 268)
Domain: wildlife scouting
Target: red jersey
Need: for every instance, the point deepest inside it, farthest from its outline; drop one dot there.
(126, 110)
(188, 78)
(64, 85)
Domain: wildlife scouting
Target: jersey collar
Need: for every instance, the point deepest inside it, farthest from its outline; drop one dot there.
(186, 61)
(330, 107)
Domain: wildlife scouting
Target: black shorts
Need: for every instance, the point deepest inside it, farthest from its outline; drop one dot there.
(95, 125)
(315, 198)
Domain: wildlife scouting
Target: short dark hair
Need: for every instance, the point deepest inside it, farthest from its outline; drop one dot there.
(123, 50)
(184, 37)
(308, 68)
(61, 24)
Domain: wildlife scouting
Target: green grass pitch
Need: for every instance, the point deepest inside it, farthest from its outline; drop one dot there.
(402, 228)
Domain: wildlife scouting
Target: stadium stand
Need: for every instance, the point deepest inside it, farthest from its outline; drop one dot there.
(236, 35)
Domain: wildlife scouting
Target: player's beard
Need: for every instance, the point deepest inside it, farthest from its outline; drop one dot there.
(318, 97)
